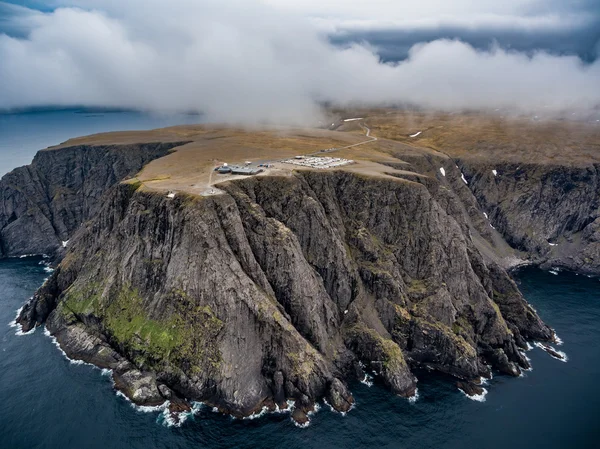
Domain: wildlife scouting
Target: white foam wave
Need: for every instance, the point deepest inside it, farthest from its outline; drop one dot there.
(315, 410)
(48, 269)
(290, 407)
(560, 353)
(20, 332)
(13, 323)
(554, 272)
(529, 361)
(368, 380)
(262, 412)
(529, 347)
(71, 361)
(144, 408)
(317, 407)
(334, 410)
(303, 425)
(558, 340)
(412, 399)
(23, 256)
(19, 328)
(168, 419)
(476, 397)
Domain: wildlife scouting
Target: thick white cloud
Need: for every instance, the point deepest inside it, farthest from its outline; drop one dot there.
(530, 15)
(247, 61)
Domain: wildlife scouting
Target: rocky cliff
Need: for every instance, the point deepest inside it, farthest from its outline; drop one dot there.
(43, 204)
(283, 287)
(549, 212)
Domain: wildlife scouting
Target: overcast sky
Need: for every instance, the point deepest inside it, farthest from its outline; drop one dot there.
(277, 60)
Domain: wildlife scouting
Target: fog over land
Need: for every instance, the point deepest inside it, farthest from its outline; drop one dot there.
(277, 61)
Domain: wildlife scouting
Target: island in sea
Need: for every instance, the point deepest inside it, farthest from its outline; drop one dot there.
(263, 269)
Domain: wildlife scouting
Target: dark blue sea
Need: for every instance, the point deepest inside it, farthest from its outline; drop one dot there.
(49, 402)
(23, 134)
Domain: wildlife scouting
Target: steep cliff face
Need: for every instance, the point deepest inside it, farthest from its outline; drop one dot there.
(550, 212)
(42, 204)
(281, 288)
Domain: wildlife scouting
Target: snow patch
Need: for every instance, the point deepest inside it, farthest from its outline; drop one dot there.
(495, 172)
(486, 215)
(64, 243)
(442, 171)
(462, 176)
(417, 135)
(353, 119)
(171, 195)
(552, 244)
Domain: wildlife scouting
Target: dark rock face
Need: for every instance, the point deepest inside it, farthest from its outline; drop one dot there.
(470, 388)
(43, 204)
(550, 212)
(276, 290)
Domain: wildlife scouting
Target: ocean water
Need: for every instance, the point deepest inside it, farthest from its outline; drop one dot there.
(48, 402)
(23, 134)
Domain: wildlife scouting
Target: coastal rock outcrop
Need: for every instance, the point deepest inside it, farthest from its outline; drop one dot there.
(277, 288)
(44, 203)
(549, 212)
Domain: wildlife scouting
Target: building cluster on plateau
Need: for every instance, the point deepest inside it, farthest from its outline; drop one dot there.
(237, 170)
(318, 162)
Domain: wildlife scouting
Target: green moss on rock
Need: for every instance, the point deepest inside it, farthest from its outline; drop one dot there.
(186, 337)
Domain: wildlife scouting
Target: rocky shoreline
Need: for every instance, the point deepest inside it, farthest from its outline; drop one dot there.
(279, 290)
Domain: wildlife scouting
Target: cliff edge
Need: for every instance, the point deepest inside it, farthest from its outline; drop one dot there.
(281, 287)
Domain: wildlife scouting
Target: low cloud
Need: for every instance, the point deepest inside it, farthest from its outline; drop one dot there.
(245, 61)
